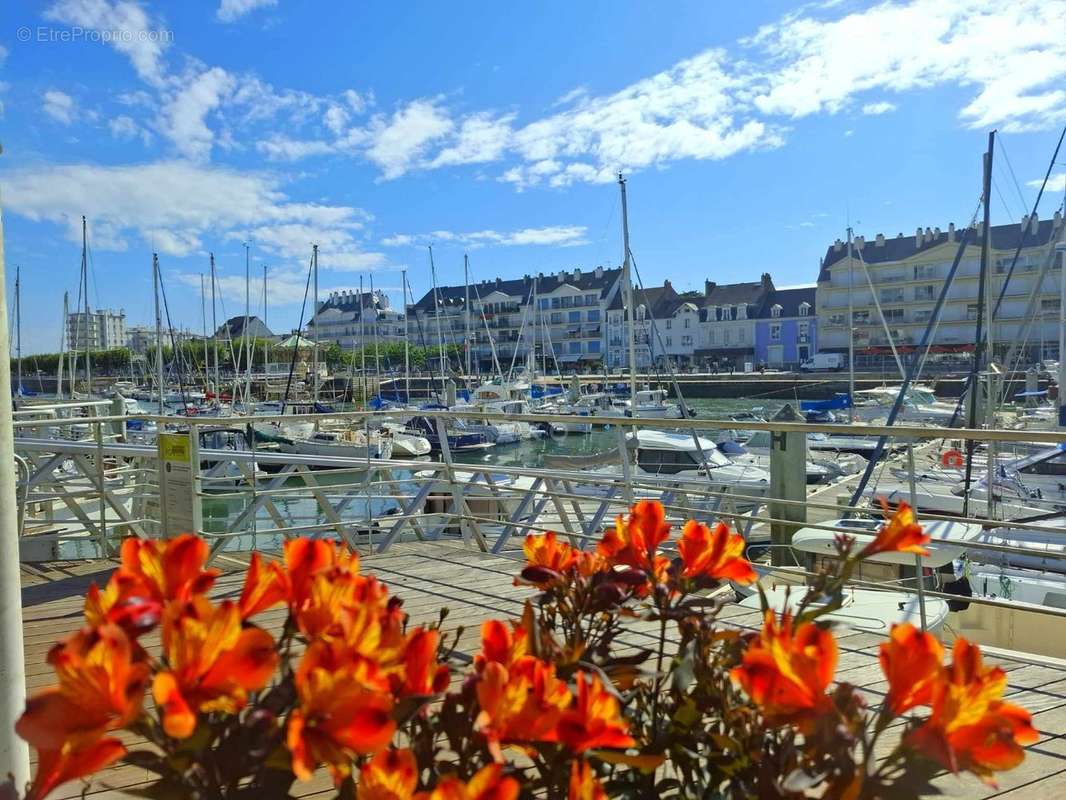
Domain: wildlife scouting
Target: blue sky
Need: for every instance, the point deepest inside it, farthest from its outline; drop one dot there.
(750, 134)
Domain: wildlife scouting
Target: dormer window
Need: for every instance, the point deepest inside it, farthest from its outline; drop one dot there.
(641, 313)
(742, 312)
(805, 309)
(775, 310)
(731, 312)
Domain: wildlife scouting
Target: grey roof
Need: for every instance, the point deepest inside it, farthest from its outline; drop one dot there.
(752, 294)
(790, 300)
(659, 301)
(234, 326)
(1002, 237)
(585, 280)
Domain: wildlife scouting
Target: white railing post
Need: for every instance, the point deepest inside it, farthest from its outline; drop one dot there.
(14, 753)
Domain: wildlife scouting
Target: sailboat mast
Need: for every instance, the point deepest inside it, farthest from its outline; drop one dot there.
(406, 341)
(62, 346)
(247, 319)
(374, 334)
(203, 319)
(627, 287)
(158, 333)
(466, 307)
(264, 295)
(85, 283)
(314, 323)
(214, 323)
(362, 341)
(851, 335)
(18, 324)
(440, 331)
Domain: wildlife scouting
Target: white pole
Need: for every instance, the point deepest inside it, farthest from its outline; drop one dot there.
(214, 325)
(406, 340)
(627, 287)
(314, 329)
(158, 333)
(14, 753)
(851, 336)
(62, 346)
(466, 308)
(1061, 248)
(247, 318)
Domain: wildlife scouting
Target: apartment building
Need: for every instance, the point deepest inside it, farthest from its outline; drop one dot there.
(728, 313)
(559, 318)
(141, 338)
(351, 319)
(907, 273)
(96, 330)
(786, 329)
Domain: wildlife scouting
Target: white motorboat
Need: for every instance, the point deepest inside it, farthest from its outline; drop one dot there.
(949, 540)
(919, 406)
(740, 454)
(868, 610)
(405, 442)
(351, 444)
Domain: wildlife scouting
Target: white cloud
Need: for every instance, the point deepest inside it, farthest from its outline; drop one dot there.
(481, 138)
(281, 148)
(818, 66)
(176, 206)
(230, 10)
(357, 102)
(184, 119)
(1056, 182)
(557, 235)
(874, 109)
(398, 143)
(128, 27)
(3, 55)
(336, 119)
(58, 105)
(124, 127)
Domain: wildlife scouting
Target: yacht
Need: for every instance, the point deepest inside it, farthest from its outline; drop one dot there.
(353, 444)
(919, 406)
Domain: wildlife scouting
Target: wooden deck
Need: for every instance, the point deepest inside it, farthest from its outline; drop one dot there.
(475, 586)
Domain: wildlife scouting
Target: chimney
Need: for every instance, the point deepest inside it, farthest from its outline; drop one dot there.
(708, 287)
(577, 274)
(766, 281)
(951, 231)
(979, 228)
(880, 240)
(599, 272)
(837, 246)
(1058, 217)
(499, 281)
(936, 233)
(859, 242)
(918, 238)
(1025, 222)
(1034, 224)
(666, 285)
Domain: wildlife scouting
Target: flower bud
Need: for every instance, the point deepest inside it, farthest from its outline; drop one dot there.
(540, 575)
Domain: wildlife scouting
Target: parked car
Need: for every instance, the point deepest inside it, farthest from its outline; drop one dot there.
(825, 362)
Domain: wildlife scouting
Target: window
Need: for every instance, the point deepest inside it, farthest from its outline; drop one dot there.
(803, 329)
(712, 337)
(861, 317)
(641, 312)
(742, 312)
(893, 315)
(574, 316)
(924, 293)
(686, 341)
(924, 272)
(669, 341)
(669, 324)
(590, 299)
(665, 461)
(568, 301)
(971, 311)
(836, 319)
(805, 309)
(775, 310)
(726, 336)
(775, 332)
(687, 321)
(742, 336)
(894, 295)
(922, 315)
(575, 347)
(556, 318)
(1049, 305)
(593, 315)
(594, 346)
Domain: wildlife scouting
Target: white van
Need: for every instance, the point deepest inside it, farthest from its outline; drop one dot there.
(823, 362)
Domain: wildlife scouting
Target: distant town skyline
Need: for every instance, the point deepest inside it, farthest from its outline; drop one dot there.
(751, 138)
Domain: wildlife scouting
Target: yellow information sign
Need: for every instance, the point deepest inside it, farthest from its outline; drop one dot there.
(175, 447)
(177, 483)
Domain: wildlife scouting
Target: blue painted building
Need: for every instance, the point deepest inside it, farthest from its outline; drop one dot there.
(786, 329)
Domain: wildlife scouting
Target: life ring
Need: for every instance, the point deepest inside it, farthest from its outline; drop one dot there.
(952, 459)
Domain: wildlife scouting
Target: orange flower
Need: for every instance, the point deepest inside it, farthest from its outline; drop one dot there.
(522, 703)
(339, 714)
(501, 643)
(167, 569)
(212, 663)
(75, 759)
(717, 553)
(901, 534)
(422, 675)
(101, 688)
(488, 784)
(546, 550)
(124, 603)
(264, 587)
(786, 672)
(911, 661)
(970, 727)
(634, 541)
(595, 719)
(305, 558)
(390, 775)
(584, 785)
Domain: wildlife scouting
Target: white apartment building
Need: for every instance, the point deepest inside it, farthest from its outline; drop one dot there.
(558, 317)
(908, 273)
(728, 316)
(344, 320)
(96, 330)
